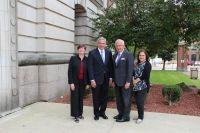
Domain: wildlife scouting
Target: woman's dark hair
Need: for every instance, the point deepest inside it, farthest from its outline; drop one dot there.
(146, 54)
(81, 46)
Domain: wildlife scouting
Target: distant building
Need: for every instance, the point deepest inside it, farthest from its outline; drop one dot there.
(187, 56)
(193, 55)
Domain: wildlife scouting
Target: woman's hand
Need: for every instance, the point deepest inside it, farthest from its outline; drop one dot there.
(135, 81)
(72, 87)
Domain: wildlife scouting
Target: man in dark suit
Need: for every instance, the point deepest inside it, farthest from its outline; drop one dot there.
(100, 69)
(123, 68)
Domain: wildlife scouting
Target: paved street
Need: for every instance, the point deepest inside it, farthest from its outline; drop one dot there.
(167, 66)
(173, 67)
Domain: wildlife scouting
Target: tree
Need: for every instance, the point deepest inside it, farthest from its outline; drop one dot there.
(188, 13)
(174, 23)
(166, 55)
(128, 21)
(151, 24)
(165, 30)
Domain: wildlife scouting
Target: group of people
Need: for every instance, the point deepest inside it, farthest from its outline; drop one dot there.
(100, 70)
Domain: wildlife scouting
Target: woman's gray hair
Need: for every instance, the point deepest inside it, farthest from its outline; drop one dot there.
(119, 40)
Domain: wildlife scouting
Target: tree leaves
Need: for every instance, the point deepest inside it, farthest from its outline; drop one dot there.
(151, 24)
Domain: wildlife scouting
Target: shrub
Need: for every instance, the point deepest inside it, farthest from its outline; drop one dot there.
(172, 94)
(198, 92)
(87, 92)
(111, 94)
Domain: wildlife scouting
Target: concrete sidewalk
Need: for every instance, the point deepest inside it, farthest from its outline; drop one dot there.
(55, 118)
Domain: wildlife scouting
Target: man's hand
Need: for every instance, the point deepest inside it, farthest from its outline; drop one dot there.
(72, 87)
(127, 85)
(93, 83)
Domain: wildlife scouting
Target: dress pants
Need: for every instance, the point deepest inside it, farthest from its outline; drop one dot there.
(139, 97)
(77, 99)
(100, 98)
(123, 101)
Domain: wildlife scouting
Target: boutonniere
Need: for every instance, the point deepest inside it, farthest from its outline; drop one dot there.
(123, 59)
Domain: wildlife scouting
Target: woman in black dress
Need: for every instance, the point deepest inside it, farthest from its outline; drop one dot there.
(78, 79)
(141, 83)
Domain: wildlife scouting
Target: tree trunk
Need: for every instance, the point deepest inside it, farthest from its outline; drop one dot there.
(164, 64)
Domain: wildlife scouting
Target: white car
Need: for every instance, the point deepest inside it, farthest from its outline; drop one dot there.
(197, 63)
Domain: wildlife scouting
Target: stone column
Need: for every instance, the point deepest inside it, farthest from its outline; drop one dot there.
(8, 61)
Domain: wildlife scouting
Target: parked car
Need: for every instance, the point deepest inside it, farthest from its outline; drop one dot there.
(190, 63)
(194, 63)
(197, 63)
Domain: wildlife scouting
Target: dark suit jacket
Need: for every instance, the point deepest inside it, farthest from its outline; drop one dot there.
(73, 70)
(123, 69)
(96, 68)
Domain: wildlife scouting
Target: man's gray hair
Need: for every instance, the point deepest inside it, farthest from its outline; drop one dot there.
(101, 38)
(119, 40)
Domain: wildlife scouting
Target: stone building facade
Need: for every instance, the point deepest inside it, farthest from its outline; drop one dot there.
(37, 39)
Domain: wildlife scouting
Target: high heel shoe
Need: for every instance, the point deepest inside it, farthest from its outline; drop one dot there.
(76, 120)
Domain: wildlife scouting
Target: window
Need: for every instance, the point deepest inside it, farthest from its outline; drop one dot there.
(193, 57)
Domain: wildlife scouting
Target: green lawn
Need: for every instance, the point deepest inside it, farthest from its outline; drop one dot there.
(172, 77)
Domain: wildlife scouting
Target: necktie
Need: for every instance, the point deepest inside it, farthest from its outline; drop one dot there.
(118, 57)
(102, 56)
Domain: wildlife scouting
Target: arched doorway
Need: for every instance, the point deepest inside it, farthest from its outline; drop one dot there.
(81, 28)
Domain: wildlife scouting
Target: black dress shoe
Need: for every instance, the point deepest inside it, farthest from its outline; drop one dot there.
(104, 116)
(96, 117)
(117, 117)
(123, 120)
